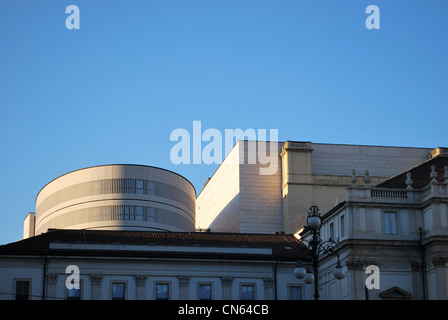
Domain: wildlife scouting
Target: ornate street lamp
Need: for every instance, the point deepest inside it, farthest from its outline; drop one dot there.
(316, 247)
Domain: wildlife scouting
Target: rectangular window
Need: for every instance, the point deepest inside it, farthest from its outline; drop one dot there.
(107, 186)
(205, 292)
(118, 290)
(121, 186)
(127, 210)
(247, 292)
(74, 294)
(162, 291)
(22, 289)
(390, 223)
(139, 187)
(97, 187)
(139, 213)
(150, 188)
(131, 213)
(150, 214)
(96, 213)
(106, 213)
(130, 186)
(295, 293)
(342, 226)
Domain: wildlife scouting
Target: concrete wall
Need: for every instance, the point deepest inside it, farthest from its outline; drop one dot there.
(241, 197)
(115, 197)
(260, 194)
(238, 198)
(318, 174)
(217, 206)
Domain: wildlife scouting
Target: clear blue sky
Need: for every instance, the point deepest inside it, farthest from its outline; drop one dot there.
(114, 90)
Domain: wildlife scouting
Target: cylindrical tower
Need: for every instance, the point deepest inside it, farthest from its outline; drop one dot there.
(117, 197)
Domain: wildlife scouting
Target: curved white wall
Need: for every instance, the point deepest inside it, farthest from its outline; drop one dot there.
(117, 197)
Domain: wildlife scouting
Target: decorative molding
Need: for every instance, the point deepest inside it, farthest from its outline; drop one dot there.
(140, 279)
(393, 266)
(268, 282)
(226, 281)
(353, 178)
(184, 281)
(438, 262)
(367, 178)
(395, 293)
(409, 181)
(52, 278)
(416, 266)
(96, 279)
(354, 265)
(433, 174)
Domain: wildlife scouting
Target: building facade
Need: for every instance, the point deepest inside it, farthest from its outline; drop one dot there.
(115, 197)
(399, 228)
(148, 265)
(307, 174)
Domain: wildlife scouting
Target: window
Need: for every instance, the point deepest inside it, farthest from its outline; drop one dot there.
(118, 290)
(22, 289)
(205, 292)
(295, 293)
(162, 291)
(105, 214)
(139, 213)
(150, 214)
(332, 231)
(390, 223)
(247, 292)
(107, 186)
(97, 187)
(342, 226)
(127, 210)
(150, 188)
(130, 186)
(139, 186)
(74, 294)
(96, 212)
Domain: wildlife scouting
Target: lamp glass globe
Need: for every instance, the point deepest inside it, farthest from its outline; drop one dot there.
(300, 272)
(309, 278)
(314, 221)
(339, 272)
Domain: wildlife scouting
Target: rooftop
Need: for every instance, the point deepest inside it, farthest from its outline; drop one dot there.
(420, 174)
(190, 245)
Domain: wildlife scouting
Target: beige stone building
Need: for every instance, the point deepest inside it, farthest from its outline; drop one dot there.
(237, 198)
(115, 197)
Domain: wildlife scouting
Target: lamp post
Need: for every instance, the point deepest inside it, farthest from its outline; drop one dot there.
(316, 247)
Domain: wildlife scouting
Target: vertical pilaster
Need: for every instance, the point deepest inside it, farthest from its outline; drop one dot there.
(357, 279)
(226, 288)
(184, 282)
(268, 288)
(97, 280)
(52, 280)
(140, 281)
(439, 264)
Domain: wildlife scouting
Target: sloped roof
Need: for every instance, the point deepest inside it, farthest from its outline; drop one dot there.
(420, 174)
(283, 246)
